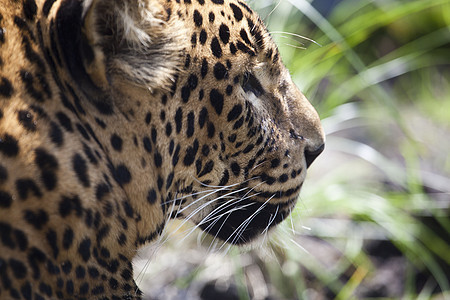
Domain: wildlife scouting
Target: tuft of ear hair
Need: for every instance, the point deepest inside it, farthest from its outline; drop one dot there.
(133, 40)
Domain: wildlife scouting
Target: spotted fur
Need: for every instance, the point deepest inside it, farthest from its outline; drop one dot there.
(116, 116)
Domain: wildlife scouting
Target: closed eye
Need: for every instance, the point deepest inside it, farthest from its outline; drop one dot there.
(251, 84)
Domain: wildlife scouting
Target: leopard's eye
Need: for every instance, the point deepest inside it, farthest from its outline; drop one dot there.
(251, 84)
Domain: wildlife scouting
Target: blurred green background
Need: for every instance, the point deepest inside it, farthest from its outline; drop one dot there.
(373, 218)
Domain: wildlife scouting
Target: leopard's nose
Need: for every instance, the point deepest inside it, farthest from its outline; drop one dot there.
(311, 155)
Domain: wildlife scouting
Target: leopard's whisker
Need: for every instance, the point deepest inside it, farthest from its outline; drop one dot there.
(201, 199)
(218, 209)
(225, 205)
(221, 197)
(271, 219)
(224, 186)
(273, 10)
(294, 46)
(201, 207)
(299, 246)
(258, 165)
(217, 217)
(245, 223)
(189, 230)
(186, 196)
(210, 216)
(216, 189)
(162, 239)
(266, 229)
(292, 221)
(296, 35)
(211, 192)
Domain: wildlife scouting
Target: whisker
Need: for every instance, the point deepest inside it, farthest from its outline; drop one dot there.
(215, 215)
(292, 221)
(298, 245)
(214, 219)
(258, 165)
(274, 216)
(186, 196)
(189, 217)
(245, 223)
(292, 39)
(198, 209)
(271, 12)
(228, 248)
(271, 219)
(219, 186)
(297, 35)
(228, 203)
(222, 207)
(162, 239)
(213, 245)
(205, 204)
(294, 46)
(261, 208)
(209, 194)
(155, 247)
(164, 236)
(216, 188)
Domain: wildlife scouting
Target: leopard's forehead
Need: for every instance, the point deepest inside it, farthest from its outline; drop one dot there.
(226, 30)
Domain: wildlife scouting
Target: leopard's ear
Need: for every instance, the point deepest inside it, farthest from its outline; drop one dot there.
(138, 41)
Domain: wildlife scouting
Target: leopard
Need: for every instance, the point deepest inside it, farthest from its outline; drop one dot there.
(117, 116)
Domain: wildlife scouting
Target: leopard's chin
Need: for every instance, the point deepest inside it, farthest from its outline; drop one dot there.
(243, 221)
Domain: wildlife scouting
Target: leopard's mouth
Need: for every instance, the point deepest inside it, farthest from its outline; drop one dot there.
(240, 221)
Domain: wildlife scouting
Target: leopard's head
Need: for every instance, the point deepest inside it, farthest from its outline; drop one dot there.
(224, 135)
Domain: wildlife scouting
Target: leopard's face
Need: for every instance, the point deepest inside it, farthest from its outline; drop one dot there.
(116, 116)
(234, 133)
(246, 133)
